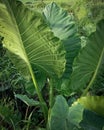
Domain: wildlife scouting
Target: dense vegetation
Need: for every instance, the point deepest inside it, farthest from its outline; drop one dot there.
(51, 65)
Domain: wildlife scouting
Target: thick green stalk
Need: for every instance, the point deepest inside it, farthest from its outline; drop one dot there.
(43, 103)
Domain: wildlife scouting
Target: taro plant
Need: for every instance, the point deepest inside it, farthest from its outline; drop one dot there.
(30, 43)
(47, 44)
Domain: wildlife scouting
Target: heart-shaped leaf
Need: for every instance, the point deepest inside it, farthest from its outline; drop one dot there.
(29, 40)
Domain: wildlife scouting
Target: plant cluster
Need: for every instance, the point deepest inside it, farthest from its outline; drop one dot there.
(51, 74)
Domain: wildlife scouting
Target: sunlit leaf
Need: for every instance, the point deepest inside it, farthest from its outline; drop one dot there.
(93, 103)
(29, 40)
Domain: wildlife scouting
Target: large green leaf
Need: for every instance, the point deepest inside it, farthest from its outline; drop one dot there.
(28, 39)
(89, 64)
(81, 117)
(58, 114)
(76, 117)
(91, 121)
(63, 26)
(93, 103)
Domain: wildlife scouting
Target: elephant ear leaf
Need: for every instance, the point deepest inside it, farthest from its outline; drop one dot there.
(58, 116)
(63, 26)
(88, 66)
(82, 117)
(28, 39)
(93, 103)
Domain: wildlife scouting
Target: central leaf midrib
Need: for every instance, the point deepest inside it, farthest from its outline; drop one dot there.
(43, 104)
(22, 46)
(95, 73)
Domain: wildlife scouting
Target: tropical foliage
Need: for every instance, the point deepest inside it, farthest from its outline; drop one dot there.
(51, 65)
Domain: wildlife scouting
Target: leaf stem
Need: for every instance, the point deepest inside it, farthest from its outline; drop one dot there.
(42, 102)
